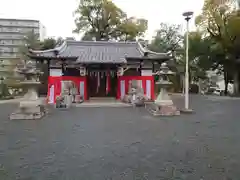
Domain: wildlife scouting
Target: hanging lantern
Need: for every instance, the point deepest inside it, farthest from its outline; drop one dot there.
(82, 71)
(120, 71)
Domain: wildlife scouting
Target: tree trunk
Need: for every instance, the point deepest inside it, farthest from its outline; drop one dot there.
(199, 86)
(226, 80)
(236, 82)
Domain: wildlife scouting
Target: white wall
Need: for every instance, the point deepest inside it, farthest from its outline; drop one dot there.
(55, 72)
(146, 72)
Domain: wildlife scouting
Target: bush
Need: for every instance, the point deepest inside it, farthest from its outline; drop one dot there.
(4, 90)
(6, 98)
(210, 90)
(194, 89)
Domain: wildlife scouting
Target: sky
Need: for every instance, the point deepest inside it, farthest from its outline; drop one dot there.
(57, 15)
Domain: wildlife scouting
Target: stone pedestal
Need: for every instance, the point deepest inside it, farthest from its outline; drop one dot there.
(29, 110)
(163, 98)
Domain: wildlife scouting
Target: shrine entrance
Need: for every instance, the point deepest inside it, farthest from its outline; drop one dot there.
(102, 80)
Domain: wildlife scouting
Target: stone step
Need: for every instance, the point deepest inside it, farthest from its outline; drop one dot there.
(102, 104)
(102, 99)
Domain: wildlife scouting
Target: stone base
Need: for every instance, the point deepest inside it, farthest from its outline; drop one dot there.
(22, 116)
(166, 110)
(138, 103)
(29, 113)
(187, 111)
(29, 104)
(61, 106)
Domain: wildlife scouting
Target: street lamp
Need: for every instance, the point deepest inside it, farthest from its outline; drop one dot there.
(187, 15)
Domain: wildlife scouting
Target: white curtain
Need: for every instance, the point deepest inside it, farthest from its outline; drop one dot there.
(148, 89)
(122, 89)
(51, 94)
(81, 89)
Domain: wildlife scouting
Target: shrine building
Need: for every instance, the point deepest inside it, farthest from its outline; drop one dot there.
(99, 68)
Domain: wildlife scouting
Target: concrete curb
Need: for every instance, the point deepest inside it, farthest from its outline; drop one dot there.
(17, 100)
(11, 101)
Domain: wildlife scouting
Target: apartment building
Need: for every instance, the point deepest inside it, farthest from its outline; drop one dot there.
(12, 32)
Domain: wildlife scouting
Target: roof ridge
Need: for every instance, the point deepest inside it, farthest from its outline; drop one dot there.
(146, 50)
(21, 19)
(57, 48)
(101, 42)
(63, 46)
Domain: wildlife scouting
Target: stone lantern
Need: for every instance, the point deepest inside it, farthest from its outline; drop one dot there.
(163, 105)
(31, 107)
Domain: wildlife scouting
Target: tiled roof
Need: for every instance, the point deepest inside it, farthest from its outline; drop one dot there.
(97, 51)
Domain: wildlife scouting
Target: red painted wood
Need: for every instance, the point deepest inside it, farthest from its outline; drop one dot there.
(118, 89)
(56, 81)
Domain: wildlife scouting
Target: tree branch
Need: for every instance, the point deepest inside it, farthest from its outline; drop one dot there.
(215, 36)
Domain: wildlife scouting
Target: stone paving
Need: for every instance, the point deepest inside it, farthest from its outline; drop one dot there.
(123, 144)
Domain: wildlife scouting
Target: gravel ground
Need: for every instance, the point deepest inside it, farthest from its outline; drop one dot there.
(123, 144)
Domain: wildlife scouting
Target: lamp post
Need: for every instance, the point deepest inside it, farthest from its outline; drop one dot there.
(187, 15)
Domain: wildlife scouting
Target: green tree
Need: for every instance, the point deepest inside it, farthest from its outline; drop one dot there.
(221, 23)
(103, 20)
(131, 28)
(88, 36)
(198, 59)
(30, 41)
(168, 37)
(49, 43)
(199, 55)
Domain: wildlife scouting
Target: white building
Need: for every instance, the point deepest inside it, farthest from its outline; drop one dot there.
(219, 80)
(12, 32)
(42, 32)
